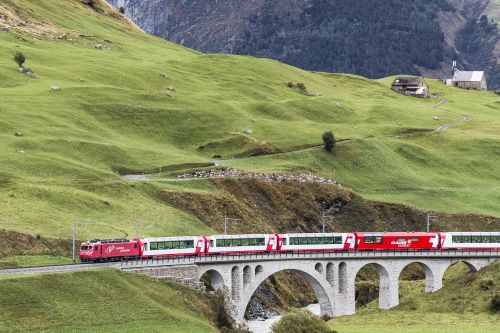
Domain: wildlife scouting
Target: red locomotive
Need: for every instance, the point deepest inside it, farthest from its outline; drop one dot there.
(145, 248)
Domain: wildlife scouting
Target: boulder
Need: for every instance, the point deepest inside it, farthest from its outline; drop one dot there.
(19, 134)
(248, 131)
(99, 46)
(5, 28)
(24, 70)
(55, 88)
(339, 105)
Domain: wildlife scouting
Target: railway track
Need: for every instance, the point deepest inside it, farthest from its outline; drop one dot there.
(56, 268)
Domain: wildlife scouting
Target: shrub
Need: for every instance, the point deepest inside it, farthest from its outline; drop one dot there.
(301, 86)
(122, 10)
(495, 303)
(329, 140)
(487, 284)
(19, 58)
(221, 314)
(300, 321)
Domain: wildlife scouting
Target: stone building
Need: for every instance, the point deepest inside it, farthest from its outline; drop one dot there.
(411, 86)
(470, 80)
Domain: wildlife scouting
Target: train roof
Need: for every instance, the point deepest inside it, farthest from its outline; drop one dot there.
(107, 241)
(397, 233)
(319, 234)
(476, 233)
(166, 239)
(239, 236)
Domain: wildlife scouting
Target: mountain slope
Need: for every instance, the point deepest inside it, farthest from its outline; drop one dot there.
(373, 39)
(133, 102)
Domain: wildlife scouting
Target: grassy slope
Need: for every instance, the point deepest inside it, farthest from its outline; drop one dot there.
(102, 301)
(460, 306)
(115, 112)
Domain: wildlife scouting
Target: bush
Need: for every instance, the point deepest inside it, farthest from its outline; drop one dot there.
(19, 58)
(300, 321)
(122, 10)
(495, 303)
(487, 284)
(329, 140)
(221, 315)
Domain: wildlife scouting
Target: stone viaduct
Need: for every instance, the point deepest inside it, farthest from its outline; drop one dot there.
(331, 275)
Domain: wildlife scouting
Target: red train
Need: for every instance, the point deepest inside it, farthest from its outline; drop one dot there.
(145, 248)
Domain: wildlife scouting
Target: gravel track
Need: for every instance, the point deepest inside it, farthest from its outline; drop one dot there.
(57, 269)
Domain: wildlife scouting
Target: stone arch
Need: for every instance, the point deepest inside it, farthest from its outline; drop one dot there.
(388, 286)
(235, 283)
(429, 275)
(342, 278)
(319, 267)
(215, 278)
(258, 269)
(330, 273)
(471, 266)
(322, 289)
(247, 275)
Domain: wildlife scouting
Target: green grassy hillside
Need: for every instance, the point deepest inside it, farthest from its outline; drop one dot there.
(101, 301)
(141, 103)
(462, 305)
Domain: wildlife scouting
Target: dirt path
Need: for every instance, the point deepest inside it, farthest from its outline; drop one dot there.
(444, 127)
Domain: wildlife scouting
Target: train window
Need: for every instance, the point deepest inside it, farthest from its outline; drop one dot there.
(378, 239)
(135, 246)
(96, 247)
(338, 240)
(497, 240)
(476, 239)
(154, 245)
(485, 238)
(401, 240)
(414, 239)
(368, 239)
(329, 240)
(456, 239)
(262, 241)
(285, 241)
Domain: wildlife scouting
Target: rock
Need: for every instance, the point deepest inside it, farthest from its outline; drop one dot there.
(108, 41)
(55, 88)
(20, 151)
(24, 70)
(248, 131)
(435, 118)
(99, 46)
(19, 134)
(171, 88)
(31, 74)
(339, 105)
(5, 28)
(164, 75)
(312, 94)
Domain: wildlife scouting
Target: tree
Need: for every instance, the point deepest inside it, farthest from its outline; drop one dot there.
(329, 140)
(19, 58)
(122, 10)
(301, 321)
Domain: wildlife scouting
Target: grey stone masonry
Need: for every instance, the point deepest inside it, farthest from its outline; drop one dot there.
(183, 274)
(331, 275)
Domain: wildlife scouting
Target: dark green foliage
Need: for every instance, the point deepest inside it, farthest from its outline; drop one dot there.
(221, 315)
(477, 40)
(122, 10)
(495, 303)
(371, 38)
(301, 321)
(19, 58)
(329, 140)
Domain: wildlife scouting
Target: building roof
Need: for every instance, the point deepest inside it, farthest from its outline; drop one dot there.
(468, 76)
(408, 81)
